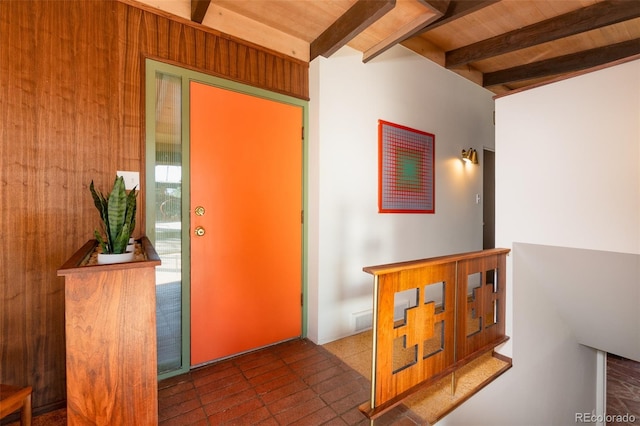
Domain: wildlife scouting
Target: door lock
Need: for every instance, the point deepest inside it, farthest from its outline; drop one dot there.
(199, 231)
(199, 211)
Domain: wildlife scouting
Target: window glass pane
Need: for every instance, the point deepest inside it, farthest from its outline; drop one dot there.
(168, 195)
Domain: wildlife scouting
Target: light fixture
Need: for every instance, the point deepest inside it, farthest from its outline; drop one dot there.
(470, 156)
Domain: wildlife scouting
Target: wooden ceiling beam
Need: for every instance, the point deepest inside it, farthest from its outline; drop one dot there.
(439, 7)
(564, 64)
(199, 10)
(589, 18)
(355, 20)
(436, 8)
(455, 10)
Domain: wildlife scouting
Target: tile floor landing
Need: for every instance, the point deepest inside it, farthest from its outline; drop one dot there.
(300, 383)
(293, 383)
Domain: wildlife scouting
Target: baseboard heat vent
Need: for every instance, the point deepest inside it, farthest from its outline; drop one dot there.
(363, 320)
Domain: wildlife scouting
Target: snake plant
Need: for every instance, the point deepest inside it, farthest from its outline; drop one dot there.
(118, 214)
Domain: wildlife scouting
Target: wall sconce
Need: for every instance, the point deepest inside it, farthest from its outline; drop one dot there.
(470, 156)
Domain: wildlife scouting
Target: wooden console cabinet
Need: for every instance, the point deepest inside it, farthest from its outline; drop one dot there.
(110, 324)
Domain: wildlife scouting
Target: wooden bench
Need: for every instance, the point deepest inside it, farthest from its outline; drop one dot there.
(13, 398)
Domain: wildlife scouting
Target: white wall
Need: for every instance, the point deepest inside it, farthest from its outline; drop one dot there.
(579, 185)
(568, 178)
(346, 232)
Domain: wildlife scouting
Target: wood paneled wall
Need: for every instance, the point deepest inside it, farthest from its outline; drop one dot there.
(71, 111)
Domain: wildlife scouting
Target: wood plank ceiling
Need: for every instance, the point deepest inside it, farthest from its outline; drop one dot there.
(503, 45)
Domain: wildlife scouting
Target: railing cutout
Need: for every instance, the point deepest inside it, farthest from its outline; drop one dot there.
(454, 312)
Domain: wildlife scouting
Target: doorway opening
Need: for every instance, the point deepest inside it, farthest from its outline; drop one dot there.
(168, 216)
(489, 203)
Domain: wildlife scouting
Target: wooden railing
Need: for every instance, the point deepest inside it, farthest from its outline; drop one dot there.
(431, 317)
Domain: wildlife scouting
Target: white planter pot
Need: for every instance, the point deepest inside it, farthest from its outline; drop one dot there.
(105, 259)
(132, 245)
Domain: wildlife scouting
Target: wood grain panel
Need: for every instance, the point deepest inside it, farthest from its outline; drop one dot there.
(110, 327)
(398, 371)
(58, 128)
(185, 43)
(71, 111)
(419, 327)
(468, 340)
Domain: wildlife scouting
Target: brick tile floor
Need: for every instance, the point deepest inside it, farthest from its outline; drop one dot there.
(300, 383)
(293, 383)
(623, 391)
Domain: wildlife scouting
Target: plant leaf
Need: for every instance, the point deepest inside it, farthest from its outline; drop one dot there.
(121, 240)
(131, 210)
(105, 249)
(117, 204)
(99, 201)
(118, 213)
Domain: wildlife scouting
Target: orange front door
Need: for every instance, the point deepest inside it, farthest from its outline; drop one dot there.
(246, 268)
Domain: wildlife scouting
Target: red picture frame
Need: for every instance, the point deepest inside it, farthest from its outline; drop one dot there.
(406, 169)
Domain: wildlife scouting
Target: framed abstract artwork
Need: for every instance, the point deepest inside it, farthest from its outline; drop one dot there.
(405, 169)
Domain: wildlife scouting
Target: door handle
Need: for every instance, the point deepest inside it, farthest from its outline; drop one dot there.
(199, 231)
